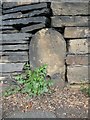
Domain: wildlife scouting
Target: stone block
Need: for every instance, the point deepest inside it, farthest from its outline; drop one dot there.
(11, 53)
(13, 58)
(69, 8)
(8, 5)
(41, 12)
(17, 47)
(26, 21)
(77, 32)
(61, 21)
(77, 60)
(15, 38)
(78, 74)
(27, 7)
(33, 28)
(7, 28)
(78, 46)
(9, 31)
(11, 67)
(14, 16)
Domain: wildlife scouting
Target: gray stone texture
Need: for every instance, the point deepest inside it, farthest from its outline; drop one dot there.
(13, 16)
(7, 28)
(15, 38)
(70, 112)
(14, 58)
(7, 5)
(33, 27)
(26, 21)
(11, 53)
(14, 47)
(11, 67)
(21, 2)
(29, 7)
(33, 114)
(41, 12)
(9, 31)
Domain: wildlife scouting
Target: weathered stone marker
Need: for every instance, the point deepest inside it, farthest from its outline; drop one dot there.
(48, 47)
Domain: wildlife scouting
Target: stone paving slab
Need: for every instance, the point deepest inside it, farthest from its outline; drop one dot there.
(33, 114)
(70, 112)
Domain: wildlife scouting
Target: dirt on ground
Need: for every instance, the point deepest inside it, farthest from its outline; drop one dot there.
(69, 98)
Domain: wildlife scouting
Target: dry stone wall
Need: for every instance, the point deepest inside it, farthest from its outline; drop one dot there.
(74, 18)
(20, 21)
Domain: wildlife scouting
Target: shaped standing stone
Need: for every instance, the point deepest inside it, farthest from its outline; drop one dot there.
(48, 47)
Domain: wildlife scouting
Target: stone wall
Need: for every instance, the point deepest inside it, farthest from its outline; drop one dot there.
(73, 17)
(19, 23)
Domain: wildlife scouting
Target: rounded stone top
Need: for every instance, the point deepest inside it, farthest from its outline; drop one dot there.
(48, 46)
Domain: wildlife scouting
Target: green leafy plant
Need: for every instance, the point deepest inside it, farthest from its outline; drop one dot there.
(32, 82)
(86, 89)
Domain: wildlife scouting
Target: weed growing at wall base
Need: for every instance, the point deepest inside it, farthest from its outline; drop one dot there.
(86, 90)
(32, 82)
